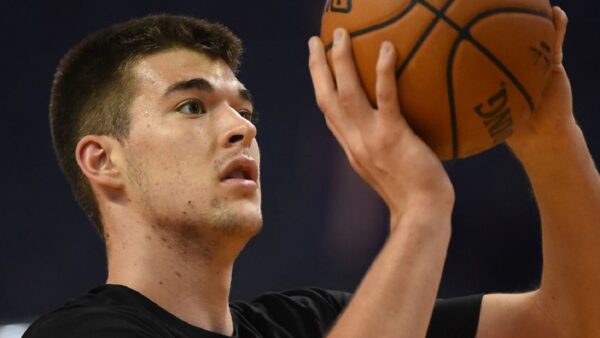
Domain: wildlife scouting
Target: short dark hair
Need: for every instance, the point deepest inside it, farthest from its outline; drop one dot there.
(93, 88)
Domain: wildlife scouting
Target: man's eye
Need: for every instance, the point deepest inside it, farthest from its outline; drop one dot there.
(246, 114)
(192, 107)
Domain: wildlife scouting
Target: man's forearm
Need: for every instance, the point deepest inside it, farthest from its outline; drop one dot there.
(396, 297)
(567, 189)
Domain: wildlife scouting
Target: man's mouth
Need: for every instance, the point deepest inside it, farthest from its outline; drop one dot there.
(238, 174)
(240, 168)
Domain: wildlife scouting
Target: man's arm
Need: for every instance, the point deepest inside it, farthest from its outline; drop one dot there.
(566, 184)
(397, 295)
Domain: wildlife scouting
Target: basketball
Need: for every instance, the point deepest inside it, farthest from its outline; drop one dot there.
(468, 71)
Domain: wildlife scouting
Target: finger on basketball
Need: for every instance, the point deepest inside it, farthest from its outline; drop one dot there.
(320, 73)
(326, 92)
(560, 22)
(350, 90)
(386, 85)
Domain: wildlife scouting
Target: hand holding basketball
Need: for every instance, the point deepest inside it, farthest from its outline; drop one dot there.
(471, 70)
(379, 144)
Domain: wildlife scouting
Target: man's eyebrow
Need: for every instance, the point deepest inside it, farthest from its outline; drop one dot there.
(197, 83)
(246, 95)
(203, 84)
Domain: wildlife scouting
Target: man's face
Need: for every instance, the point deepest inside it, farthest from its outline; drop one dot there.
(191, 156)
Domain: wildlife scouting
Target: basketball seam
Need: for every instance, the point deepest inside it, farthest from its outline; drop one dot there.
(380, 25)
(438, 16)
(465, 34)
(491, 56)
(452, 103)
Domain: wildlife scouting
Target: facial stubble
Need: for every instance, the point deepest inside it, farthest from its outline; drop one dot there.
(191, 224)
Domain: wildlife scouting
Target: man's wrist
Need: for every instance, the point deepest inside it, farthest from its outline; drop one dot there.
(426, 221)
(544, 149)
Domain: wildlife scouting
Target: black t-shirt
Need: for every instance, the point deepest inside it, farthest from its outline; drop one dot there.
(115, 311)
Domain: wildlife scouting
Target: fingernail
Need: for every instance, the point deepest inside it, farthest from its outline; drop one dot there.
(338, 34)
(386, 48)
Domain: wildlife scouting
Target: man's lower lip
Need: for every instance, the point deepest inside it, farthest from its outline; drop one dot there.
(240, 182)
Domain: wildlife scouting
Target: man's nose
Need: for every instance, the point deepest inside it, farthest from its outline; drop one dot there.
(237, 129)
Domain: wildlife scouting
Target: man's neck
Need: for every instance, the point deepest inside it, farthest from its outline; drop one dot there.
(189, 280)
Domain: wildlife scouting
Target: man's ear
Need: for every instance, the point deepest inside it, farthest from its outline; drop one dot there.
(97, 156)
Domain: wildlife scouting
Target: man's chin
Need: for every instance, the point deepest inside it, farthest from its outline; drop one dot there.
(238, 224)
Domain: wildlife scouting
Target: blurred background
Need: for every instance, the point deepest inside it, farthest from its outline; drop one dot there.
(323, 226)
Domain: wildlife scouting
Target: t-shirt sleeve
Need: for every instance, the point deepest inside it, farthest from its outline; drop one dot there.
(455, 317)
(90, 323)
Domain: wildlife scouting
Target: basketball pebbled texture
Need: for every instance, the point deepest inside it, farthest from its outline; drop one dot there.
(467, 71)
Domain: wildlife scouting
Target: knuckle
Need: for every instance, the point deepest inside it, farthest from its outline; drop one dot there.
(322, 103)
(360, 153)
(387, 141)
(346, 97)
(380, 143)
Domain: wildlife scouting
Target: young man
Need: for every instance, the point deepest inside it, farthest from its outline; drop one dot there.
(154, 132)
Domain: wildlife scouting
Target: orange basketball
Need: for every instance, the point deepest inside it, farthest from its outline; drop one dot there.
(468, 70)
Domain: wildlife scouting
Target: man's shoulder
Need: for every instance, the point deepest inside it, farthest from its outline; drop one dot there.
(95, 314)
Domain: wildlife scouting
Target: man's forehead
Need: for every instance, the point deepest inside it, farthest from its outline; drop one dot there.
(163, 69)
